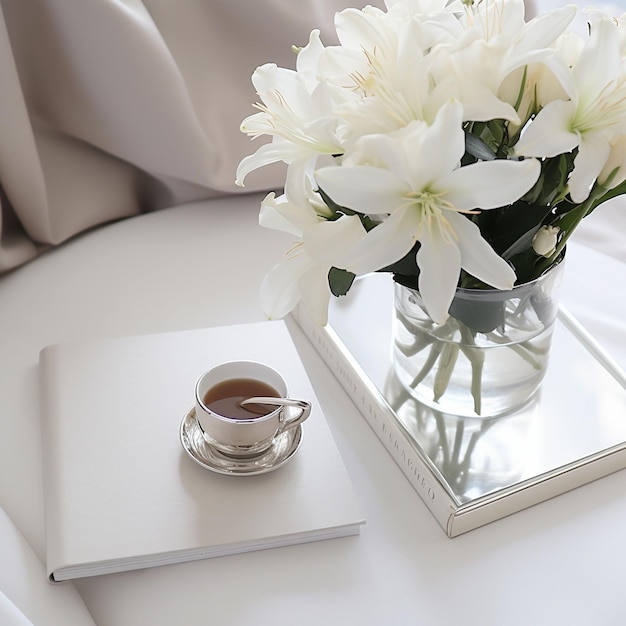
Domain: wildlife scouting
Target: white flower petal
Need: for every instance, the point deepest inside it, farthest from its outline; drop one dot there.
(430, 150)
(603, 43)
(281, 214)
(615, 165)
(256, 124)
(307, 61)
(484, 105)
(440, 264)
(478, 257)
(593, 153)
(330, 242)
(363, 188)
(277, 85)
(488, 184)
(272, 215)
(279, 291)
(473, 78)
(549, 134)
(357, 29)
(315, 293)
(543, 30)
(385, 244)
(385, 151)
(298, 183)
(274, 152)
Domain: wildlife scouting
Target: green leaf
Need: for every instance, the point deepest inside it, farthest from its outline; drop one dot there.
(406, 281)
(514, 227)
(340, 281)
(480, 316)
(551, 186)
(522, 244)
(526, 266)
(498, 133)
(478, 148)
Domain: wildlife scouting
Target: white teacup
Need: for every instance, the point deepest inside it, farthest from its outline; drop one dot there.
(246, 430)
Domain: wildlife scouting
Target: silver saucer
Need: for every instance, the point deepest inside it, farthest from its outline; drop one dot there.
(205, 455)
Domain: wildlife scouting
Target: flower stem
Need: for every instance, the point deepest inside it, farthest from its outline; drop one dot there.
(447, 361)
(476, 357)
(420, 339)
(433, 355)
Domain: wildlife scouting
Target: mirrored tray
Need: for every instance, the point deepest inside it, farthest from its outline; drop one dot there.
(471, 471)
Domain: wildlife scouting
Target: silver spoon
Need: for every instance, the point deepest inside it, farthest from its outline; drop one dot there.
(301, 404)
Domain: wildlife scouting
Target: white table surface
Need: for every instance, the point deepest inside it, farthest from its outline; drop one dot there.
(560, 562)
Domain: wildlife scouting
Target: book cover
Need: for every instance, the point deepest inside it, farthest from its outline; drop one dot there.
(472, 471)
(120, 491)
(26, 598)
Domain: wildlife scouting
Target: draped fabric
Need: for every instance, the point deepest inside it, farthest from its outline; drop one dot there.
(110, 108)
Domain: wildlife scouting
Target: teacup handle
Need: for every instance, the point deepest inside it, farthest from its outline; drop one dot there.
(303, 405)
(304, 410)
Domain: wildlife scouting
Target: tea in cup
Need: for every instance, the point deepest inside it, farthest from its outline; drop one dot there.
(235, 412)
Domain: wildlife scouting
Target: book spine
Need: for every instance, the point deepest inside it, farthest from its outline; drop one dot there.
(380, 416)
(54, 501)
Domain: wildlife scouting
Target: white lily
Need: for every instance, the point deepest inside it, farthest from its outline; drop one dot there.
(414, 178)
(394, 85)
(296, 111)
(593, 117)
(322, 244)
(387, 58)
(495, 42)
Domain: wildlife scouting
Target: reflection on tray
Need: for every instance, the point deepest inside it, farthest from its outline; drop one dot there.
(471, 471)
(474, 456)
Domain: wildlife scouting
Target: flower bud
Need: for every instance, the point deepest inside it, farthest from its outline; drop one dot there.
(544, 241)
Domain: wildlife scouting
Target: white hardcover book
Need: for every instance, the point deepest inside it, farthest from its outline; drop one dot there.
(120, 491)
(26, 598)
(472, 471)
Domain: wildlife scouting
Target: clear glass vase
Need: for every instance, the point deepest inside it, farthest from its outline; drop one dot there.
(488, 358)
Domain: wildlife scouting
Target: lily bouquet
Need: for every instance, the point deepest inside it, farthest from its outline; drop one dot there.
(452, 144)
